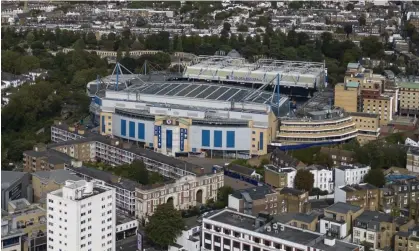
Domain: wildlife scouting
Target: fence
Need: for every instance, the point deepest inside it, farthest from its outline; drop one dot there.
(237, 176)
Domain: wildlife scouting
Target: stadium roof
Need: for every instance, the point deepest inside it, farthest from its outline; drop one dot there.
(205, 91)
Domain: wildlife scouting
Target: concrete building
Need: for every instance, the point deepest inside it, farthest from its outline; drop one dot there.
(412, 159)
(81, 216)
(280, 177)
(363, 195)
(409, 98)
(346, 96)
(339, 218)
(15, 185)
(323, 177)
(368, 126)
(349, 175)
(184, 193)
(238, 231)
(254, 200)
(44, 182)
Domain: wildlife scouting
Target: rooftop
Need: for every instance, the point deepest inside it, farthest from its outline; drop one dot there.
(409, 85)
(59, 176)
(343, 208)
(343, 168)
(241, 169)
(8, 178)
(358, 187)
(291, 191)
(255, 193)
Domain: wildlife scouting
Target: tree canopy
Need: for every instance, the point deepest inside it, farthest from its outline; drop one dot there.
(304, 180)
(165, 225)
(375, 177)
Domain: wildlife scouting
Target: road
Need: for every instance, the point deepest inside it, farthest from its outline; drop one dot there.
(128, 244)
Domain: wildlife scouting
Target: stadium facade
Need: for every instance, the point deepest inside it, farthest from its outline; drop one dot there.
(175, 117)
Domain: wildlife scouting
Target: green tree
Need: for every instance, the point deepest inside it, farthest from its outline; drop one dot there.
(165, 225)
(119, 54)
(222, 196)
(179, 46)
(138, 172)
(375, 177)
(242, 28)
(304, 180)
(362, 20)
(79, 44)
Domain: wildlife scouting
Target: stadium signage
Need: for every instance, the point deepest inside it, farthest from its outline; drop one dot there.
(244, 78)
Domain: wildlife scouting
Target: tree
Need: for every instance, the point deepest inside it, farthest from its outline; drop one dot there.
(222, 196)
(375, 177)
(349, 7)
(304, 180)
(165, 225)
(362, 20)
(139, 172)
(179, 46)
(242, 28)
(348, 29)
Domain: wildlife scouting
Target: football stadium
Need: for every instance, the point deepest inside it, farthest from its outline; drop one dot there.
(187, 117)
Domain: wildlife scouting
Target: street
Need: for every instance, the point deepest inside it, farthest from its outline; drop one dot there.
(128, 244)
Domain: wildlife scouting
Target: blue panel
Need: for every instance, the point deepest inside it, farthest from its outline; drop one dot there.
(151, 145)
(132, 129)
(159, 136)
(261, 141)
(123, 127)
(231, 135)
(103, 124)
(205, 138)
(98, 101)
(194, 150)
(218, 138)
(169, 138)
(182, 139)
(141, 131)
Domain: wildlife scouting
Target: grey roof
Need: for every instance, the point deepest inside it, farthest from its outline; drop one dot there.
(304, 217)
(358, 187)
(255, 193)
(293, 191)
(241, 169)
(53, 156)
(344, 208)
(10, 177)
(280, 158)
(59, 176)
(372, 219)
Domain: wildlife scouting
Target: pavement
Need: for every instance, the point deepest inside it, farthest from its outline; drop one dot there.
(127, 244)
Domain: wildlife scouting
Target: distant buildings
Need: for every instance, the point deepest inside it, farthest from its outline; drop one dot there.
(412, 159)
(280, 177)
(349, 175)
(409, 98)
(363, 195)
(15, 185)
(323, 178)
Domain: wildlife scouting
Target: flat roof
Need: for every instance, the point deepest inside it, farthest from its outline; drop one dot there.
(410, 85)
(8, 178)
(59, 176)
(344, 208)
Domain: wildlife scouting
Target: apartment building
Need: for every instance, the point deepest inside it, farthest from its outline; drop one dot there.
(44, 182)
(235, 231)
(81, 216)
(24, 226)
(339, 218)
(338, 156)
(368, 126)
(412, 159)
(293, 200)
(349, 175)
(254, 200)
(347, 96)
(323, 177)
(124, 188)
(281, 159)
(363, 195)
(409, 98)
(184, 193)
(279, 177)
(407, 239)
(306, 221)
(43, 159)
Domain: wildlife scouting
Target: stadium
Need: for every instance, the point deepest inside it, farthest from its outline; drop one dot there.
(226, 69)
(186, 117)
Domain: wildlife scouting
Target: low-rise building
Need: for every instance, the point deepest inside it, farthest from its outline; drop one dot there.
(323, 177)
(43, 159)
(15, 185)
(292, 200)
(299, 220)
(363, 195)
(407, 240)
(243, 172)
(44, 182)
(190, 239)
(339, 218)
(184, 193)
(254, 200)
(338, 156)
(279, 177)
(236, 231)
(281, 159)
(409, 98)
(349, 175)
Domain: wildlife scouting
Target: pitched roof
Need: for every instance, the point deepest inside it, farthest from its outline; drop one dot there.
(344, 208)
(255, 193)
(241, 169)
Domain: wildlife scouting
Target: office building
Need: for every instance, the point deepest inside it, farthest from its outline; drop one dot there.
(349, 175)
(339, 218)
(363, 195)
(235, 231)
(279, 177)
(15, 185)
(81, 216)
